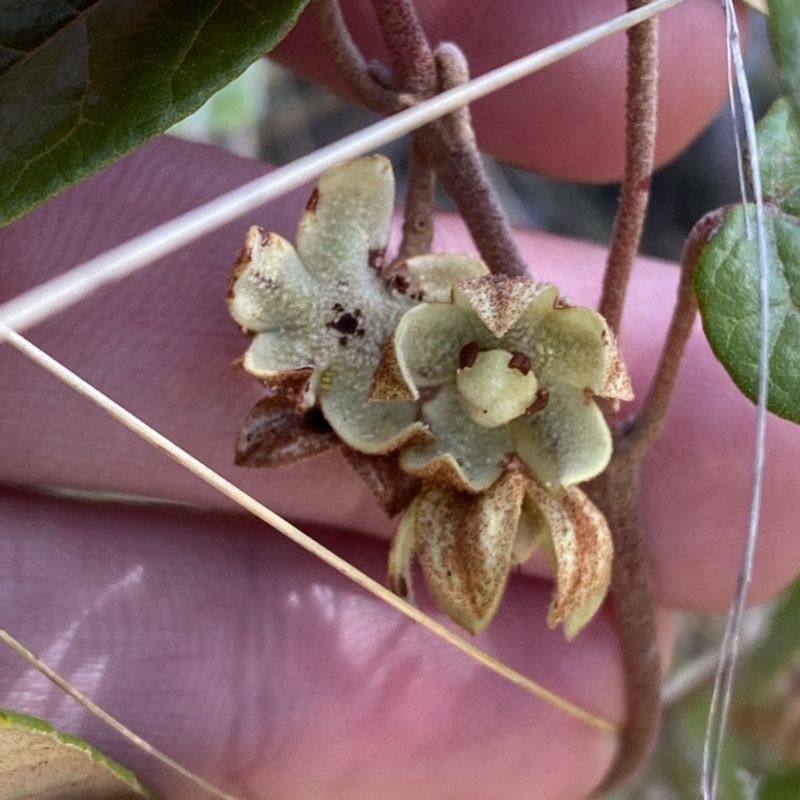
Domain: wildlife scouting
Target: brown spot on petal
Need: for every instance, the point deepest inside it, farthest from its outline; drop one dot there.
(401, 587)
(539, 402)
(521, 362)
(616, 381)
(388, 382)
(468, 355)
(498, 299)
(291, 384)
(377, 260)
(347, 323)
(311, 205)
(399, 283)
(243, 260)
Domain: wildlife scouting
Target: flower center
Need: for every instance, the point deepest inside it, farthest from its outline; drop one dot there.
(495, 386)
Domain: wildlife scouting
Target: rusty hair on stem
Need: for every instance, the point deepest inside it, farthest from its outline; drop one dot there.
(640, 140)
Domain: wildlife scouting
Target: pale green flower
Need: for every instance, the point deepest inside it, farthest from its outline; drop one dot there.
(507, 370)
(322, 311)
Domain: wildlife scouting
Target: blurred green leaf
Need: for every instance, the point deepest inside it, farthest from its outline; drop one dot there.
(39, 763)
(84, 83)
(781, 786)
(727, 276)
(779, 650)
(784, 32)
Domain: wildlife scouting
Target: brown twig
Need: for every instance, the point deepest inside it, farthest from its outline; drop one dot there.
(640, 138)
(616, 492)
(649, 422)
(420, 204)
(353, 67)
(452, 147)
(409, 52)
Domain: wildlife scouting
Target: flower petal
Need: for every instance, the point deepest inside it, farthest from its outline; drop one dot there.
(274, 435)
(401, 554)
(283, 361)
(498, 300)
(369, 426)
(579, 545)
(567, 442)
(464, 543)
(347, 221)
(464, 455)
(616, 381)
(429, 278)
(568, 345)
(427, 343)
(270, 288)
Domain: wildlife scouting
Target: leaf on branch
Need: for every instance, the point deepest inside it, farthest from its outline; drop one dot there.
(727, 276)
(39, 763)
(84, 83)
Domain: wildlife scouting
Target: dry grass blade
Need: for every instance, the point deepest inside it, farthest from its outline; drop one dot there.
(271, 518)
(127, 733)
(64, 290)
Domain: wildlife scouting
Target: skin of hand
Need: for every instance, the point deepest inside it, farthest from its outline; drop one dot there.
(227, 646)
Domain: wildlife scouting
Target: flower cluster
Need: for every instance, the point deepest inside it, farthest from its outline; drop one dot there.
(475, 392)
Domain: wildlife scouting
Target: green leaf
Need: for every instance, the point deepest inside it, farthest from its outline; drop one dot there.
(83, 83)
(784, 33)
(39, 763)
(727, 278)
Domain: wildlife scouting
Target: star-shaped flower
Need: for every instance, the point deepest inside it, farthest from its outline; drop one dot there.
(506, 373)
(507, 370)
(322, 312)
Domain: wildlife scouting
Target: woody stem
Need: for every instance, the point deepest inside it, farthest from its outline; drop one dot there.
(617, 490)
(640, 139)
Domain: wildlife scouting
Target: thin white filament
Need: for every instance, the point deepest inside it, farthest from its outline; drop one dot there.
(723, 685)
(259, 510)
(737, 141)
(57, 294)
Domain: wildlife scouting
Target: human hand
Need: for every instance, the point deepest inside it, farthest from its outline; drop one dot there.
(228, 647)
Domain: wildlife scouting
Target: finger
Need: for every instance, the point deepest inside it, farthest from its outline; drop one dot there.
(269, 674)
(162, 344)
(567, 120)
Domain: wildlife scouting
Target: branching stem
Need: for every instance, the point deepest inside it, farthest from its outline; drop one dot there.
(649, 422)
(449, 143)
(616, 492)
